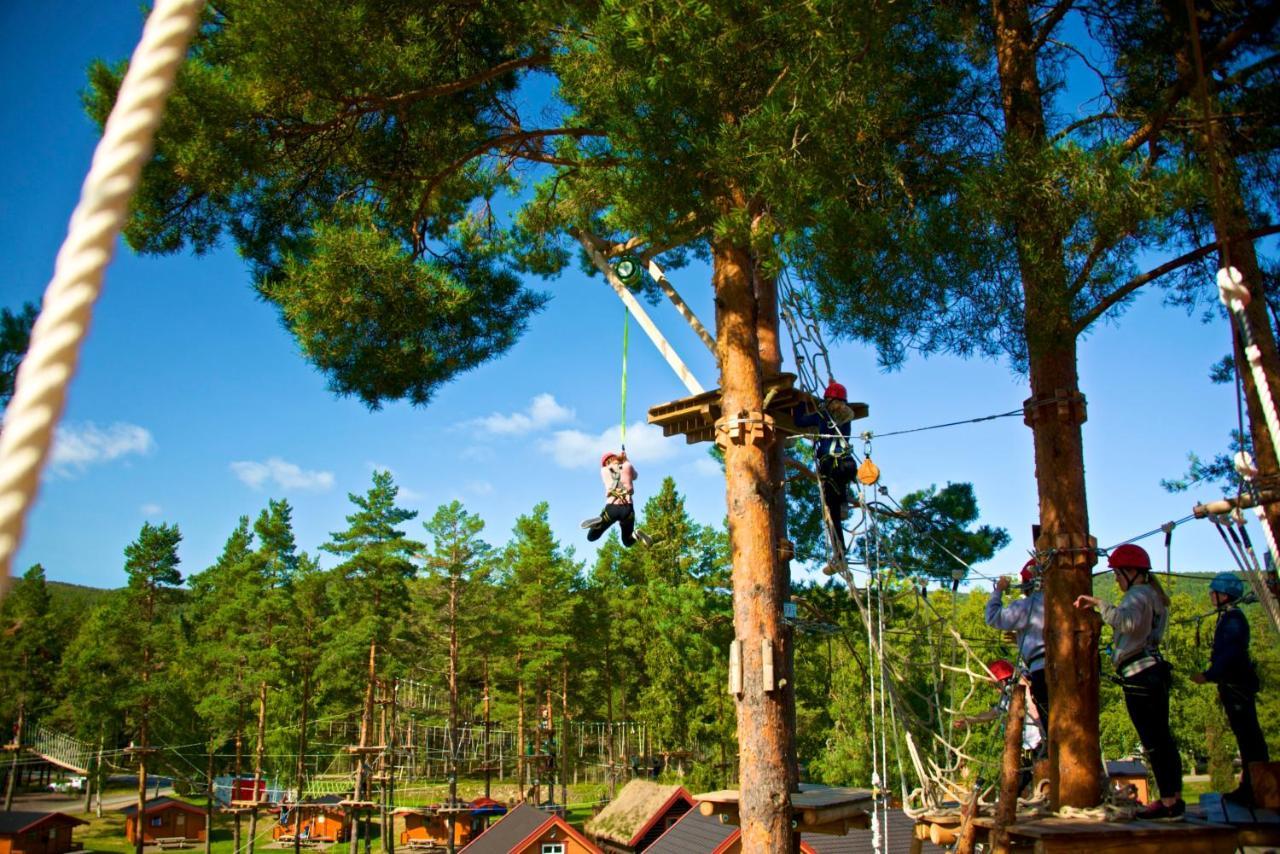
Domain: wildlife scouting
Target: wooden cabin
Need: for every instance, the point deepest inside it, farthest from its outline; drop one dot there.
(165, 818)
(426, 828)
(23, 832)
(323, 820)
(635, 819)
(529, 830)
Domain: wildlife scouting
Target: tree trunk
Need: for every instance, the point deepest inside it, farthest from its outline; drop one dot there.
(1010, 770)
(236, 771)
(487, 771)
(366, 725)
(765, 765)
(259, 749)
(563, 742)
(100, 777)
(208, 802)
(520, 745)
(1071, 635)
(453, 707)
(301, 772)
(13, 762)
(140, 819)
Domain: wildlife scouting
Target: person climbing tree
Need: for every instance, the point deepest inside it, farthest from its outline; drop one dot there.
(1025, 618)
(619, 476)
(1231, 668)
(1138, 624)
(831, 452)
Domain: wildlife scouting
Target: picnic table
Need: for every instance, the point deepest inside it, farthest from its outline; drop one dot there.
(168, 843)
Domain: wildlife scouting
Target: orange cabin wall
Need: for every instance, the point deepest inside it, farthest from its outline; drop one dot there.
(436, 828)
(556, 834)
(322, 824)
(191, 825)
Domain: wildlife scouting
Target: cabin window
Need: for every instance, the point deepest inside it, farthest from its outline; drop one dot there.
(157, 821)
(553, 848)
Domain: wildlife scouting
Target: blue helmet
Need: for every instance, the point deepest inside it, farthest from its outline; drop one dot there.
(1228, 584)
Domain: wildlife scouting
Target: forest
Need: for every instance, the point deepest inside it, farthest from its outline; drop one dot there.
(260, 662)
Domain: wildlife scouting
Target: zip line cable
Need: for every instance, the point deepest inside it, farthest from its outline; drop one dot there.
(626, 325)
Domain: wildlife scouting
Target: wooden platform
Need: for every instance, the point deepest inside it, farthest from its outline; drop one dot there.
(1069, 835)
(818, 809)
(1255, 826)
(695, 417)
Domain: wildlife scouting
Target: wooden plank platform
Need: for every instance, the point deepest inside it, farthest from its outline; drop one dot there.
(1255, 826)
(1052, 835)
(695, 417)
(818, 809)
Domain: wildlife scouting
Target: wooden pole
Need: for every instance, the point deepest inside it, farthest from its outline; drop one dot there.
(1010, 770)
(300, 774)
(13, 761)
(765, 762)
(259, 749)
(968, 834)
(487, 770)
(564, 733)
(208, 799)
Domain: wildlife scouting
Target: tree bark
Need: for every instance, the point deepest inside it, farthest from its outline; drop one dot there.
(1010, 770)
(453, 705)
(259, 749)
(487, 772)
(562, 743)
(521, 749)
(208, 801)
(140, 820)
(13, 761)
(301, 773)
(765, 767)
(1071, 635)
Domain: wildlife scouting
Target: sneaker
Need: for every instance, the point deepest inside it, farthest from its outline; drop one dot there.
(1160, 811)
(592, 522)
(832, 568)
(644, 538)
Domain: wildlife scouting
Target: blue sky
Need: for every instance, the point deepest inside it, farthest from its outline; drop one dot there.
(192, 405)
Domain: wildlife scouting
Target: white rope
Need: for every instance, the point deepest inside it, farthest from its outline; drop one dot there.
(1235, 295)
(41, 390)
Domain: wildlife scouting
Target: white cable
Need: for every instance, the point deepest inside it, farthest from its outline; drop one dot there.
(41, 390)
(1234, 293)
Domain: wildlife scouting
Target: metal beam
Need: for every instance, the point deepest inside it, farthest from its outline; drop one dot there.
(642, 317)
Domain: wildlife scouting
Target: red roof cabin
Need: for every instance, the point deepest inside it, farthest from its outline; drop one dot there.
(323, 820)
(165, 818)
(37, 832)
(635, 819)
(529, 830)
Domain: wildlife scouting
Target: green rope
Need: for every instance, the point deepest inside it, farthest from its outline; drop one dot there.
(626, 324)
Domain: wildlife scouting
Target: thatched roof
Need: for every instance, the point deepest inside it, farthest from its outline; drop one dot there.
(637, 806)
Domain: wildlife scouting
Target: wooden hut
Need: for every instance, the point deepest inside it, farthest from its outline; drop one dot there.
(427, 828)
(529, 830)
(164, 819)
(641, 813)
(323, 820)
(23, 832)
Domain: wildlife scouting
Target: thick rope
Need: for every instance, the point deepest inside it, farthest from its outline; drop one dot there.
(41, 390)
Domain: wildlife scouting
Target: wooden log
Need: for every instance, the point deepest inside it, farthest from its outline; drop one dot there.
(823, 815)
(1007, 810)
(967, 834)
(1266, 784)
(940, 835)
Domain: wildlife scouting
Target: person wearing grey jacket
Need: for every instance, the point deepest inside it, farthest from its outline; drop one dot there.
(1137, 626)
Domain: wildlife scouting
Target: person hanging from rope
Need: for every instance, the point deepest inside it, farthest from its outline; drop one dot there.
(834, 458)
(1025, 618)
(619, 476)
(1231, 668)
(1138, 624)
(1034, 727)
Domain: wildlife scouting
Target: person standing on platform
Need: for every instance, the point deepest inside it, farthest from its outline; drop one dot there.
(1138, 624)
(1232, 670)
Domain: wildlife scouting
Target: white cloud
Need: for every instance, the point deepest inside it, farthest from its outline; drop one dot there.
(704, 465)
(543, 412)
(78, 446)
(573, 449)
(151, 510)
(281, 473)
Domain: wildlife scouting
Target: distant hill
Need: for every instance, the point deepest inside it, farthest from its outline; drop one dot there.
(70, 598)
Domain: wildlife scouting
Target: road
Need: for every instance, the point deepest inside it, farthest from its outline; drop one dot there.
(56, 802)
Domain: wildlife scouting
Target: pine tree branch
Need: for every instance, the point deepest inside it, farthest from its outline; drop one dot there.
(1257, 22)
(1051, 19)
(1123, 292)
(365, 103)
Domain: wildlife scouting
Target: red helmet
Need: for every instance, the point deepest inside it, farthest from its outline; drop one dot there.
(1029, 571)
(1129, 556)
(1000, 669)
(835, 391)
(608, 455)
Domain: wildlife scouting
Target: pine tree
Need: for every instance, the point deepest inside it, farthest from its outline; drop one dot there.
(29, 650)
